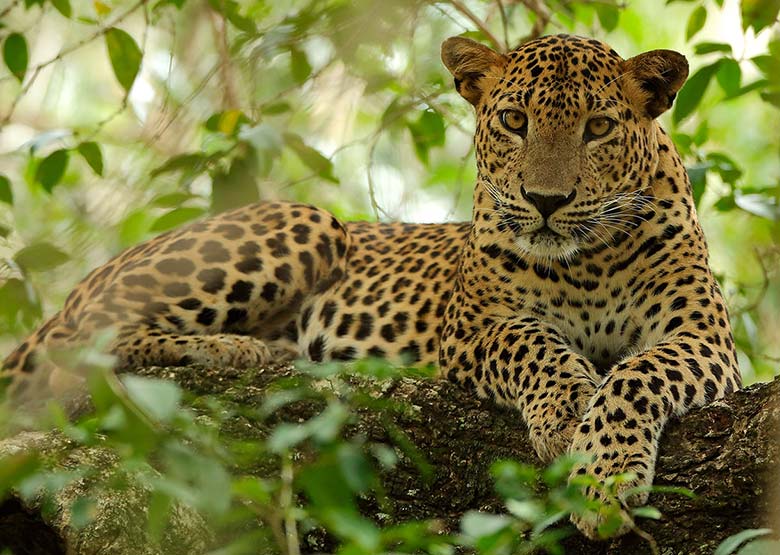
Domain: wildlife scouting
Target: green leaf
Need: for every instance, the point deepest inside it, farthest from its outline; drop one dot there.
(193, 162)
(6, 192)
(761, 547)
(299, 65)
(125, 56)
(313, 159)
(647, 512)
(82, 512)
(759, 13)
(158, 398)
(476, 524)
(237, 186)
(698, 177)
(772, 97)
(5, 231)
(726, 204)
(40, 257)
(15, 467)
(763, 206)
(428, 131)
(175, 218)
(710, 47)
(276, 108)
(696, 22)
(90, 151)
(171, 200)
(769, 66)
(62, 6)
(730, 544)
(267, 142)
(608, 15)
(729, 76)
(692, 92)
(51, 169)
(15, 55)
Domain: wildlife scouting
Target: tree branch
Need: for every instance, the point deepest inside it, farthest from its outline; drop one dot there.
(727, 453)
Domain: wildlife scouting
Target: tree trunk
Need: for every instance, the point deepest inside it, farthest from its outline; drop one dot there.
(728, 453)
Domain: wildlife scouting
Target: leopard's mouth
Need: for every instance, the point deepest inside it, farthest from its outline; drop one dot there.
(546, 243)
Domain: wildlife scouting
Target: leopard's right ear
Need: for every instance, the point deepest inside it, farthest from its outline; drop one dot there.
(474, 66)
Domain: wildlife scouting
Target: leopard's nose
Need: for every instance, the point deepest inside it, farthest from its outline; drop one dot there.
(547, 204)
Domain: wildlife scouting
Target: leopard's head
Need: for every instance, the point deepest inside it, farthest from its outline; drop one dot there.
(566, 139)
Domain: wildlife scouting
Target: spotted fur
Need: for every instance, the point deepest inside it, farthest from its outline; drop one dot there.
(579, 293)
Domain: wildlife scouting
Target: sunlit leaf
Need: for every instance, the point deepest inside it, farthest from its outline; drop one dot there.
(176, 217)
(51, 169)
(15, 55)
(730, 544)
(696, 22)
(40, 257)
(90, 151)
(158, 398)
(761, 547)
(646, 512)
(125, 56)
(226, 122)
(693, 90)
(101, 8)
(6, 192)
(476, 524)
(760, 205)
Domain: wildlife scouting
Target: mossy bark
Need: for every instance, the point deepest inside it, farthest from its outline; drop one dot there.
(728, 453)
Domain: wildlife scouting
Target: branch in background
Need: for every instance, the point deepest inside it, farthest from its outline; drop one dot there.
(498, 45)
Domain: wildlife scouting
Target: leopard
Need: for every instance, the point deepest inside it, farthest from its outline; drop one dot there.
(579, 293)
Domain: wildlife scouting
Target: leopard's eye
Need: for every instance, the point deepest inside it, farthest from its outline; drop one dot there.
(513, 120)
(598, 127)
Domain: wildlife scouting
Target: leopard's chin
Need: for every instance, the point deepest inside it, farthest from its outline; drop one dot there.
(546, 245)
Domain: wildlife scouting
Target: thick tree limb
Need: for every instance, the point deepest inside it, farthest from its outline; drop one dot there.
(728, 453)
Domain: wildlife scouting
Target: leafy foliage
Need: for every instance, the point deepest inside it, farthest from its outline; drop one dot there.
(118, 128)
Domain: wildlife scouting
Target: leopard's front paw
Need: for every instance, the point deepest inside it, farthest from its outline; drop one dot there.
(554, 418)
(617, 478)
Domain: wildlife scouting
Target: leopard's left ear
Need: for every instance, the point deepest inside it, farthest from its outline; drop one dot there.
(475, 67)
(653, 79)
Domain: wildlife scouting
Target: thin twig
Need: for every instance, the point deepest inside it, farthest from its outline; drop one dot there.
(495, 41)
(292, 544)
(8, 8)
(62, 53)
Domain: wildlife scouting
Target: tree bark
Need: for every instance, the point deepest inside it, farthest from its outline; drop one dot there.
(728, 453)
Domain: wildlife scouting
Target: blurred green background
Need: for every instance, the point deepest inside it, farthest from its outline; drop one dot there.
(120, 120)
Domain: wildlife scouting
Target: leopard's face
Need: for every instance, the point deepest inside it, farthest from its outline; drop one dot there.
(565, 143)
